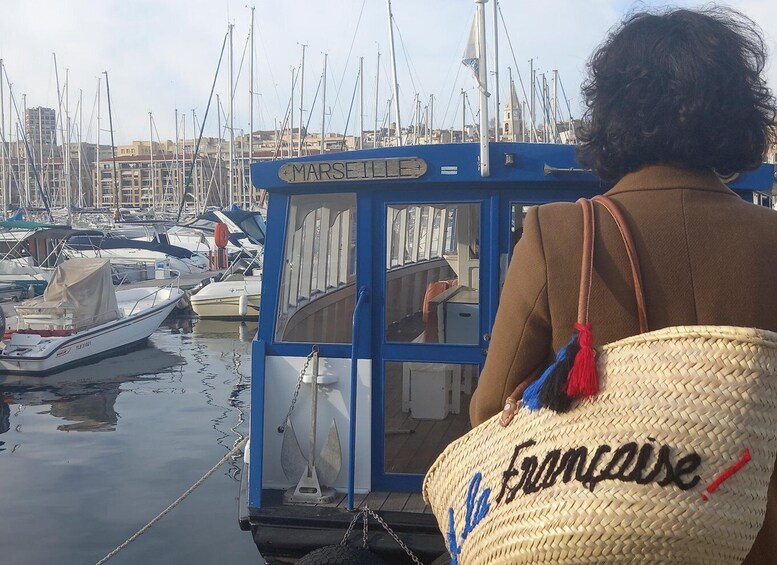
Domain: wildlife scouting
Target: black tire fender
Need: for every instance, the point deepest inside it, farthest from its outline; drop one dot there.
(443, 559)
(340, 555)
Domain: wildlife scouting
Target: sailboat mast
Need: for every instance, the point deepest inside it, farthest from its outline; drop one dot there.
(463, 115)
(377, 89)
(361, 102)
(322, 147)
(417, 127)
(80, 143)
(58, 196)
(496, 71)
(99, 175)
(4, 191)
(116, 189)
(531, 101)
(231, 124)
(251, 105)
(394, 73)
(23, 127)
(179, 172)
(431, 118)
(301, 94)
(151, 153)
(427, 137)
(67, 142)
(40, 139)
(220, 159)
(555, 107)
(194, 165)
(483, 80)
(183, 157)
(291, 117)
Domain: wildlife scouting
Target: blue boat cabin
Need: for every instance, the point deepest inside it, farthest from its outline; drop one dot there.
(382, 272)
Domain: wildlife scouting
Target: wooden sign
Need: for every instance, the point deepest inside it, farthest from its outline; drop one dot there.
(356, 170)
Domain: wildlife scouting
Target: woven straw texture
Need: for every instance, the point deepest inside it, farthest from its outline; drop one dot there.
(696, 389)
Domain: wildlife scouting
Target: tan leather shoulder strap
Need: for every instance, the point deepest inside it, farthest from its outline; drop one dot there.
(631, 252)
(586, 276)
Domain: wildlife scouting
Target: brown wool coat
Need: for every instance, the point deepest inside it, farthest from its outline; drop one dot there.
(707, 257)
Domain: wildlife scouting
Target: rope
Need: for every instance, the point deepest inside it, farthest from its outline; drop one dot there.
(143, 530)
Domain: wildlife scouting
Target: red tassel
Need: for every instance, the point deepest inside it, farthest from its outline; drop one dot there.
(583, 380)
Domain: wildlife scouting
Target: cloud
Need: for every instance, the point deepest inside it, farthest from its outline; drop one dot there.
(162, 56)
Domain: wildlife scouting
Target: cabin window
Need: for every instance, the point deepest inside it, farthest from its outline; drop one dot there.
(518, 213)
(319, 270)
(517, 216)
(426, 406)
(432, 273)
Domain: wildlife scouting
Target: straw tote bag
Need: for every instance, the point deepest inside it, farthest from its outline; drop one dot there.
(669, 462)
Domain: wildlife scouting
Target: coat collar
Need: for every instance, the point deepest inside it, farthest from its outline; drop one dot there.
(656, 177)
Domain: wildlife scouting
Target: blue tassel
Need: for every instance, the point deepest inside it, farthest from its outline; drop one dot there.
(549, 390)
(553, 394)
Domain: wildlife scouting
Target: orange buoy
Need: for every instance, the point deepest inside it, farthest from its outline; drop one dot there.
(221, 235)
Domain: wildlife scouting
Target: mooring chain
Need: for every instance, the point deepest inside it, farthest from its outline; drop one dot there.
(365, 512)
(308, 359)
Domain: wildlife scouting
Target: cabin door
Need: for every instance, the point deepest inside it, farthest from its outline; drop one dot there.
(435, 281)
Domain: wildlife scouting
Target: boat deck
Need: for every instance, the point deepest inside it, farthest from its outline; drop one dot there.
(282, 530)
(185, 281)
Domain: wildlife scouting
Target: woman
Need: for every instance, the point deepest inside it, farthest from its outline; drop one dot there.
(676, 100)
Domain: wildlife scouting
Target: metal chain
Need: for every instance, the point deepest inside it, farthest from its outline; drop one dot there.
(365, 512)
(365, 520)
(308, 359)
(350, 528)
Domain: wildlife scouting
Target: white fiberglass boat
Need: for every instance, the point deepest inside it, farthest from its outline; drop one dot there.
(237, 296)
(81, 318)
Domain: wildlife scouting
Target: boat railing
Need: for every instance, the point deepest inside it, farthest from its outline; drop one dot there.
(154, 294)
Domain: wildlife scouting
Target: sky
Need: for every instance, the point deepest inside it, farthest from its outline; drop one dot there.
(163, 55)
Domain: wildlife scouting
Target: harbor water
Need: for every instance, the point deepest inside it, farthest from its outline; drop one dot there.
(91, 455)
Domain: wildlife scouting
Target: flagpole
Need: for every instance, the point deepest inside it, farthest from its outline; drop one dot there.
(483, 86)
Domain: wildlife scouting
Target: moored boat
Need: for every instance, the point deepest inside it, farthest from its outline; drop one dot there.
(81, 318)
(236, 296)
(382, 274)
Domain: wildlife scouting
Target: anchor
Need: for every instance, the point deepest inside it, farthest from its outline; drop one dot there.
(310, 472)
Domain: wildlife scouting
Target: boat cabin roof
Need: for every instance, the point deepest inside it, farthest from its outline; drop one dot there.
(441, 166)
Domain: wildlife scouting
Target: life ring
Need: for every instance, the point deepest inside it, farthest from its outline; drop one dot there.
(221, 235)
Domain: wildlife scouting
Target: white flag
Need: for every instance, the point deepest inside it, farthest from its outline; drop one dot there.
(471, 57)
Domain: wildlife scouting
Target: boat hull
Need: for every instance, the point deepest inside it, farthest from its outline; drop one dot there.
(90, 345)
(225, 307)
(221, 299)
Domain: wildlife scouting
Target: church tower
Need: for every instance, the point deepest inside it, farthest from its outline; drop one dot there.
(512, 124)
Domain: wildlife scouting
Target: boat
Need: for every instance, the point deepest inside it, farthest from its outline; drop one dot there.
(29, 251)
(235, 296)
(122, 250)
(81, 318)
(246, 230)
(382, 273)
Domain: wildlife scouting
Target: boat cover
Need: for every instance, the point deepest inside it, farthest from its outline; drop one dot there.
(82, 287)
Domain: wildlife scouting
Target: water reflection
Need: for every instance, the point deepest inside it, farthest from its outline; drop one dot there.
(244, 331)
(171, 426)
(84, 398)
(221, 348)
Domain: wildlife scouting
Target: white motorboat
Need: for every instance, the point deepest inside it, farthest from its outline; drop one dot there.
(237, 296)
(81, 318)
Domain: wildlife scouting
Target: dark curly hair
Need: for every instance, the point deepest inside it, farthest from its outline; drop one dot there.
(678, 87)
